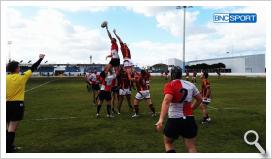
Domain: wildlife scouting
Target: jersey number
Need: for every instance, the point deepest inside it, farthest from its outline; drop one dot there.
(184, 94)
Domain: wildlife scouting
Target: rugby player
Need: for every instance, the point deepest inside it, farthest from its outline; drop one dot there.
(15, 90)
(94, 81)
(87, 80)
(115, 60)
(142, 93)
(205, 93)
(187, 75)
(126, 56)
(177, 102)
(194, 77)
(124, 89)
(105, 92)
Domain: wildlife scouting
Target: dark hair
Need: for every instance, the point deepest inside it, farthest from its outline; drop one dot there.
(143, 72)
(206, 75)
(114, 39)
(12, 66)
(176, 73)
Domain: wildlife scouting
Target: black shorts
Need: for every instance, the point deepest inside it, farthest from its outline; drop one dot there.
(95, 87)
(115, 62)
(14, 110)
(103, 95)
(115, 89)
(176, 127)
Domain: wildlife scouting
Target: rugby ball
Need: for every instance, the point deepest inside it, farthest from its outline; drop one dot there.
(104, 24)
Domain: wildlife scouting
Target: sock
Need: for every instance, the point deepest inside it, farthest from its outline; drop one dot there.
(113, 110)
(152, 108)
(9, 141)
(136, 107)
(171, 151)
(98, 109)
(109, 109)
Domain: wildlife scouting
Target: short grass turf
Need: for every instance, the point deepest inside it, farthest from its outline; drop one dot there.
(68, 122)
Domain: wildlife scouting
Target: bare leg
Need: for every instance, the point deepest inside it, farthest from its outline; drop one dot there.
(190, 145)
(168, 144)
(120, 103)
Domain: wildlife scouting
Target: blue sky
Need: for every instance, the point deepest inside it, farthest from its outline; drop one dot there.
(153, 33)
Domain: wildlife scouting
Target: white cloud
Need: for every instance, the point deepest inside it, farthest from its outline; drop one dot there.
(238, 39)
(80, 9)
(149, 10)
(50, 32)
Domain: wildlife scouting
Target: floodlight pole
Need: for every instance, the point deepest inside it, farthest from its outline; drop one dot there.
(183, 49)
(184, 24)
(9, 54)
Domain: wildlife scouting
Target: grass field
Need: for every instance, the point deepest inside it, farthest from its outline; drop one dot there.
(68, 122)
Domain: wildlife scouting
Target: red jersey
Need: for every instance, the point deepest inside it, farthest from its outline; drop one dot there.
(123, 81)
(183, 93)
(107, 83)
(125, 51)
(204, 88)
(141, 82)
(114, 50)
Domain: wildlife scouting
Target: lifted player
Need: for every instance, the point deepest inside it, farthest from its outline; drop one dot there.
(177, 102)
(142, 93)
(115, 60)
(126, 56)
(206, 93)
(124, 89)
(105, 92)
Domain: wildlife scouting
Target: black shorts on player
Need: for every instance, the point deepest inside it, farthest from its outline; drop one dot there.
(115, 62)
(104, 95)
(176, 127)
(95, 87)
(115, 89)
(14, 111)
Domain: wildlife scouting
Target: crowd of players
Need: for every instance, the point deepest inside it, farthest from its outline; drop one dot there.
(117, 80)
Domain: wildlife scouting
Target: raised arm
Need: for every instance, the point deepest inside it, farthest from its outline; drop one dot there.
(36, 64)
(109, 34)
(120, 40)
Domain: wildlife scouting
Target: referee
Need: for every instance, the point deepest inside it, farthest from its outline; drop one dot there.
(15, 88)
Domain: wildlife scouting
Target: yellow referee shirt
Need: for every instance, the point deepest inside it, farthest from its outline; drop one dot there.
(15, 86)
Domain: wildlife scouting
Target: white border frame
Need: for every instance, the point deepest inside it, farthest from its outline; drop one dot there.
(265, 4)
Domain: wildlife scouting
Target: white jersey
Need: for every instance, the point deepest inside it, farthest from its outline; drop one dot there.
(183, 93)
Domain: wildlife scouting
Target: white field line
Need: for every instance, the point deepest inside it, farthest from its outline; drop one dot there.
(63, 118)
(227, 108)
(40, 85)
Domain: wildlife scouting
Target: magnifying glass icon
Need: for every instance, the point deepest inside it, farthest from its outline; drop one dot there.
(255, 142)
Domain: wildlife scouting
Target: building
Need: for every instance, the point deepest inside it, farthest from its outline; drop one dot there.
(174, 62)
(238, 64)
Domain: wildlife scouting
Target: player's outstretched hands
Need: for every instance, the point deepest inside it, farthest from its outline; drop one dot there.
(41, 56)
(159, 126)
